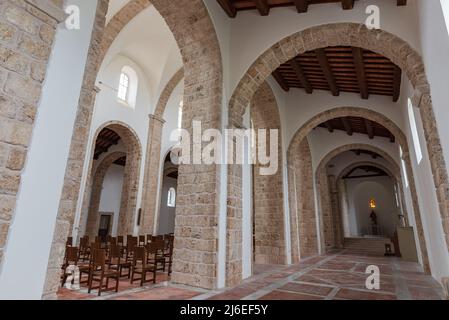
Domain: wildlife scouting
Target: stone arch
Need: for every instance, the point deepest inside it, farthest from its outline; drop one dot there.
(167, 92)
(322, 183)
(195, 35)
(395, 174)
(97, 185)
(131, 175)
(357, 35)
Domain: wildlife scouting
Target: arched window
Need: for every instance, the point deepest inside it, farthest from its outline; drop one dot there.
(123, 88)
(127, 87)
(171, 199)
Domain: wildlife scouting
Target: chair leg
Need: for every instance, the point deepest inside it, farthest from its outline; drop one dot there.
(100, 287)
(116, 283)
(89, 282)
(142, 280)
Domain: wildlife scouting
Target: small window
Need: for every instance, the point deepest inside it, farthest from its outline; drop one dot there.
(414, 128)
(123, 88)
(171, 199)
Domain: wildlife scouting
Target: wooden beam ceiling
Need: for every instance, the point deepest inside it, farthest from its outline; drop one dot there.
(106, 139)
(352, 125)
(342, 69)
(232, 7)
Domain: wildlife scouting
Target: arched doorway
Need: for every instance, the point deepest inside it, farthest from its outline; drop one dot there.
(168, 201)
(128, 154)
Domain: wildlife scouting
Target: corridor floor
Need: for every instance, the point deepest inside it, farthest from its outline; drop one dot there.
(339, 276)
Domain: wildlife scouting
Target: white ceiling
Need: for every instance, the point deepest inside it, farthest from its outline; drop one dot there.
(148, 42)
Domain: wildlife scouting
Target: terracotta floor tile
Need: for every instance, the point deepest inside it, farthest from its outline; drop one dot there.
(280, 295)
(306, 288)
(363, 295)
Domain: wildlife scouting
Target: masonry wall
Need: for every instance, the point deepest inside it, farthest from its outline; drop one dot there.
(269, 246)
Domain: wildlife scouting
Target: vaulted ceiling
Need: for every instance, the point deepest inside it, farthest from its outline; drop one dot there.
(353, 125)
(232, 7)
(341, 69)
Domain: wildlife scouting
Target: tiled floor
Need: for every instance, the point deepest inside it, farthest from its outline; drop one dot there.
(339, 276)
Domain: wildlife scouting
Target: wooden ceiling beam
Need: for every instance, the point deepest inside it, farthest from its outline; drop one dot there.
(263, 7)
(397, 83)
(329, 126)
(280, 80)
(301, 5)
(369, 128)
(324, 63)
(359, 64)
(347, 126)
(301, 76)
(228, 7)
(347, 4)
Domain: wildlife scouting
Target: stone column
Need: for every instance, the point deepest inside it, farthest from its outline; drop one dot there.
(27, 31)
(335, 207)
(152, 174)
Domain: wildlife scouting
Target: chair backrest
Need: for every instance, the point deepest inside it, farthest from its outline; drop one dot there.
(95, 245)
(69, 242)
(113, 240)
(120, 240)
(149, 236)
(139, 256)
(114, 251)
(99, 258)
(157, 238)
(71, 256)
(155, 247)
(141, 240)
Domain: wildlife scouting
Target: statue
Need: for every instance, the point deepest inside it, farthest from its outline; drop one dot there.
(373, 217)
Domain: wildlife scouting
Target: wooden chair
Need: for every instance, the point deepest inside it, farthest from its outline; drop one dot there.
(117, 262)
(157, 238)
(84, 252)
(130, 245)
(149, 236)
(72, 258)
(141, 267)
(69, 242)
(120, 241)
(99, 272)
(168, 252)
(156, 255)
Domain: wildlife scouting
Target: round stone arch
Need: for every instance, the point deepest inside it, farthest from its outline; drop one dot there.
(357, 35)
(93, 217)
(321, 182)
(133, 152)
(194, 32)
(324, 186)
(395, 174)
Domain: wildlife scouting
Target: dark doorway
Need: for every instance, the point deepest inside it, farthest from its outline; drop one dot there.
(105, 224)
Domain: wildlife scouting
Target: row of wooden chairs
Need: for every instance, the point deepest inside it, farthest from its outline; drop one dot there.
(110, 262)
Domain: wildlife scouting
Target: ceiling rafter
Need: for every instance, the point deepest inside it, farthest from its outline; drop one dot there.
(359, 125)
(341, 69)
(232, 7)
